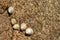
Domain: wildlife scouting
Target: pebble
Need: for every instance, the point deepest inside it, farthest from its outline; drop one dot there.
(13, 21)
(16, 26)
(10, 9)
(23, 26)
(29, 31)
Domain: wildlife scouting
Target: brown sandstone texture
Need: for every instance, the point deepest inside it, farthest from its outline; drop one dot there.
(43, 16)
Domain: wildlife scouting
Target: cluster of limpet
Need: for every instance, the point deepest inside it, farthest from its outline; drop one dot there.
(22, 27)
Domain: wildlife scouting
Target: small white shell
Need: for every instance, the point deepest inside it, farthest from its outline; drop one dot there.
(29, 31)
(10, 9)
(23, 26)
(16, 26)
(13, 21)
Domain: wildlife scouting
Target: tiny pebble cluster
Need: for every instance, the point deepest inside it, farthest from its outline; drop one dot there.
(23, 26)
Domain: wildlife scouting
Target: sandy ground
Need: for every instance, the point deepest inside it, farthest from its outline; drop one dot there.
(43, 16)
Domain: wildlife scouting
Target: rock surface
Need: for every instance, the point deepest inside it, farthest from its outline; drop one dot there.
(43, 16)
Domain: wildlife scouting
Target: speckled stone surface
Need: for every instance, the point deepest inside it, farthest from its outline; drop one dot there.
(43, 16)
